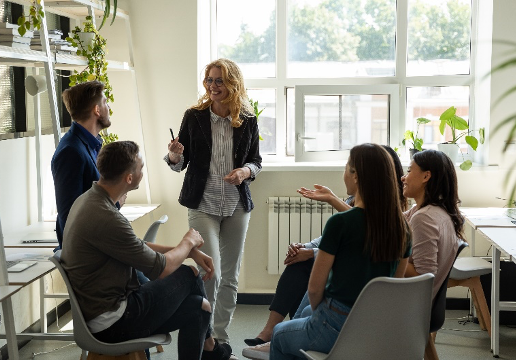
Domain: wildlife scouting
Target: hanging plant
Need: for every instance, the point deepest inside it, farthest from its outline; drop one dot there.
(95, 53)
(108, 138)
(107, 12)
(34, 20)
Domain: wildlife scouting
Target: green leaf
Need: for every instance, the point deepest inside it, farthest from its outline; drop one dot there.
(459, 123)
(466, 165)
(418, 144)
(409, 135)
(423, 120)
(22, 30)
(403, 142)
(472, 141)
(21, 20)
(442, 126)
(115, 5)
(482, 134)
(448, 114)
(27, 24)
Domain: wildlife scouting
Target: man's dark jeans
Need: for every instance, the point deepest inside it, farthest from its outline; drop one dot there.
(162, 306)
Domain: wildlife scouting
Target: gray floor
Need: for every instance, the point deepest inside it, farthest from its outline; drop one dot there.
(468, 343)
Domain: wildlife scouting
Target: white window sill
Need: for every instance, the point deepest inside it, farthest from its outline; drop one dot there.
(339, 166)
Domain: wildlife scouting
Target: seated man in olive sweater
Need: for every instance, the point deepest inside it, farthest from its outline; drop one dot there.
(101, 254)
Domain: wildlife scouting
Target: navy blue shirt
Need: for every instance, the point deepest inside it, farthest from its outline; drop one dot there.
(74, 170)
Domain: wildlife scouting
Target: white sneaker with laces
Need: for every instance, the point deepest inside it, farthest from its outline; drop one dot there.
(258, 352)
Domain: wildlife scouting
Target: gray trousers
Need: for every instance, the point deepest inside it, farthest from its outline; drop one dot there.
(224, 238)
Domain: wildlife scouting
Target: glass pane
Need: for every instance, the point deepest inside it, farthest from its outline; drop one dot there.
(267, 121)
(246, 34)
(331, 38)
(430, 103)
(439, 37)
(339, 122)
(291, 121)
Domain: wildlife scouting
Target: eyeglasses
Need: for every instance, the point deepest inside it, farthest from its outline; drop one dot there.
(218, 82)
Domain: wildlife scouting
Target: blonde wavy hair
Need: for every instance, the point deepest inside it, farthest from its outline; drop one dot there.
(233, 81)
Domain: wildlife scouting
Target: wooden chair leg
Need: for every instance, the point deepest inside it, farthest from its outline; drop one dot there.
(430, 352)
(137, 355)
(479, 300)
(159, 349)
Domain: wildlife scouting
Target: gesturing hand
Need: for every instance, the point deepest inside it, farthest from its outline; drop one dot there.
(320, 193)
(175, 149)
(236, 176)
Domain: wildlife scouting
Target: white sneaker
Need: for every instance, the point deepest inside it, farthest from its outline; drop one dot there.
(258, 352)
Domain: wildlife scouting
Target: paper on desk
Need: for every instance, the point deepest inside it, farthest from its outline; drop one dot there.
(26, 256)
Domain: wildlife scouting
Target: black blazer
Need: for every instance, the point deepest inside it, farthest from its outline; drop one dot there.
(195, 135)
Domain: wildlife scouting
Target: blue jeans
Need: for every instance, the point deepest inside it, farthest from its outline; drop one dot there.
(317, 332)
(304, 309)
(162, 306)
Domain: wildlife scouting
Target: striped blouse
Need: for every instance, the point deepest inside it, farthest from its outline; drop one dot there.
(220, 198)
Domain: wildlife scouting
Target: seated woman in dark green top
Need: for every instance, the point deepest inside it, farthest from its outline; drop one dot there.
(368, 241)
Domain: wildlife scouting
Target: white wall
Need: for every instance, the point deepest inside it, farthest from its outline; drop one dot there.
(164, 38)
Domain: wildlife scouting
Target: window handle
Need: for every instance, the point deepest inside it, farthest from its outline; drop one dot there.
(299, 137)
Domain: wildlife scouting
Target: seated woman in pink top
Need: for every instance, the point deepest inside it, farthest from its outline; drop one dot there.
(435, 220)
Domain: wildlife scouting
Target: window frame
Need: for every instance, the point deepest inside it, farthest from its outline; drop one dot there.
(303, 90)
(398, 124)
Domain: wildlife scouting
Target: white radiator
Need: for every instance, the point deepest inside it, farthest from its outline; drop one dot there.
(293, 220)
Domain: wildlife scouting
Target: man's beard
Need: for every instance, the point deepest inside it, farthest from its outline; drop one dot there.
(104, 122)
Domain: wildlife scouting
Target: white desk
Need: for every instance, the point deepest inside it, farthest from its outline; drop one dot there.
(20, 280)
(502, 239)
(486, 217)
(46, 229)
(133, 212)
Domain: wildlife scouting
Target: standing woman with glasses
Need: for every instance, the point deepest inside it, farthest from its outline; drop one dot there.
(219, 143)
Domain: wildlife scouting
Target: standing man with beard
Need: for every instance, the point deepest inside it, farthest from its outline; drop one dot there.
(74, 162)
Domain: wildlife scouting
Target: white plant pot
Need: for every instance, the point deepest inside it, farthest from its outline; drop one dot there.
(452, 150)
(87, 39)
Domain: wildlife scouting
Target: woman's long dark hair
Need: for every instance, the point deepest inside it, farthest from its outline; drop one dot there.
(399, 173)
(386, 231)
(441, 190)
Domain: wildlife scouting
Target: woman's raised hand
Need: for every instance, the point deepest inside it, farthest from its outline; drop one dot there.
(175, 149)
(319, 193)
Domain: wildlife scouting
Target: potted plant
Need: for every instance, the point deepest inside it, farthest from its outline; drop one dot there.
(95, 52)
(257, 112)
(92, 46)
(459, 129)
(417, 142)
(33, 20)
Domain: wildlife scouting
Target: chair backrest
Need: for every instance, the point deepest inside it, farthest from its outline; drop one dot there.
(389, 320)
(152, 231)
(439, 306)
(82, 335)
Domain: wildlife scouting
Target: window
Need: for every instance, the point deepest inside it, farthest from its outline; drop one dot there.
(303, 51)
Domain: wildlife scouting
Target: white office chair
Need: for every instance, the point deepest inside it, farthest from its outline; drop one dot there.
(152, 231)
(87, 342)
(390, 320)
(466, 272)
